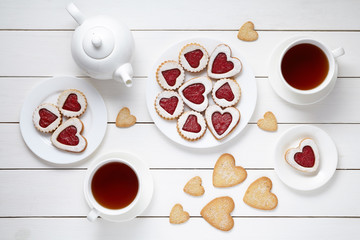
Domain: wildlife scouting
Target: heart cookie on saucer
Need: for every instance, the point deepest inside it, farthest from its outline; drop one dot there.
(194, 93)
(305, 157)
(221, 122)
(222, 64)
(68, 136)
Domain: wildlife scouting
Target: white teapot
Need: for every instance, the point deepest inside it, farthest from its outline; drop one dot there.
(102, 47)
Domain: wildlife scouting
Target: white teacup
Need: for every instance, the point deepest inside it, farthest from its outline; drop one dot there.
(324, 88)
(134, 207)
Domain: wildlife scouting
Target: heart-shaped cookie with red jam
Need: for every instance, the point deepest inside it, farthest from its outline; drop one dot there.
(170, 75)
(72, 103)
(305, 157)
(221, 122)
(68, 136)
(194, 93)
(222, 64)
(191, 125)
(46, 117)
(169, 105)
(226, 92)
(193, 57)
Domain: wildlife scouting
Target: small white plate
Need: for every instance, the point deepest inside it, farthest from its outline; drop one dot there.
(279, 86)
(94, 119)
(328, 158)
(246, 105)
(147, 190)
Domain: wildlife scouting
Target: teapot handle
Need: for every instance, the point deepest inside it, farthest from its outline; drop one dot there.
(75, 13)
(124, 74)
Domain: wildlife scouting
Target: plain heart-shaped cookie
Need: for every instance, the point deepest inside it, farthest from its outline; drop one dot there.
(305, 157)
(268, 123)
(226, 174)
(194, 93)
(125, 119)
(258, 195)
(217, 213)
(221, 122)
(178, 215)
(68, 136)
(247, 32)
(222, 64)
(194, 187)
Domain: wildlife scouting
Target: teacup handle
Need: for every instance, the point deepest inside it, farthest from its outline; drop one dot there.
(93, 215)
(338, 52)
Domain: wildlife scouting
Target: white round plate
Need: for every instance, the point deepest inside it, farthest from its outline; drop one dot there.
(246, 105)
(328, 158)
(147, 190)
(94, 119)
(279, 86)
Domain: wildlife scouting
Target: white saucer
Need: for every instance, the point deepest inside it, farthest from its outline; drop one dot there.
(279, 86)
(145, 195)
(328, 158)
(246, 105)
(94, 119)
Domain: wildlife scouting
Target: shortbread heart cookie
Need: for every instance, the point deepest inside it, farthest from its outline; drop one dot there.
(193, 187)
(46, 117)
(217, 213)
(226, 92)
(193, 57)
(124, 119)
(305, 157)
(247, 32)
(72, 103)
(169, 105)
(178, 215)
(221, 122)
(268, 123)
(68, 136)
(222, 64)
(258, 195)
(170, 75)
(226, 174)
(191, 125)
(194, 93)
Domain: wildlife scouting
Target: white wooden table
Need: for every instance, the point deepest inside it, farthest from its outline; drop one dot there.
(42, 201)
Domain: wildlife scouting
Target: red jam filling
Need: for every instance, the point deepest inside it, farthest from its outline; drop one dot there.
(71, 103)
(306, 158)
(169, 104)
(194, 57)
(68, 136)
(194, 93)
(171, 75)
(191, 124)
(46, 118)
(225, 92)
(221, 122)
(221, 64)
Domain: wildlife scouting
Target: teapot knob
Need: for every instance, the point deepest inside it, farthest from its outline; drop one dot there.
(96, 41)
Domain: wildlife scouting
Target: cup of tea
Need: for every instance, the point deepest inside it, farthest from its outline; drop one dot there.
(308, 69)
(118, 187)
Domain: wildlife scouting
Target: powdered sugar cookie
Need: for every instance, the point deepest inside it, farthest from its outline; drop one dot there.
(226, 92)
(170, 75)
(258, 195)
(178, 215)
(217, 213)
(226, 174)
(193, 57)
(193, 187)
(46, 117)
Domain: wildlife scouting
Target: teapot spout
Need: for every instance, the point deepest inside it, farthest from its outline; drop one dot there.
(124, 74)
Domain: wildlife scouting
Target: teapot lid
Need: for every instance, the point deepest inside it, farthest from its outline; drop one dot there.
(98, 42)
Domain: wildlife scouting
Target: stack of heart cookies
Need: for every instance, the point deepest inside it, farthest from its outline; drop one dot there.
(221, 117)
(47, 118)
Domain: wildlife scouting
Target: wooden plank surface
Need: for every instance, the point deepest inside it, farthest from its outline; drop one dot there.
(60, 193)
(187, 14)
(195, 228)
